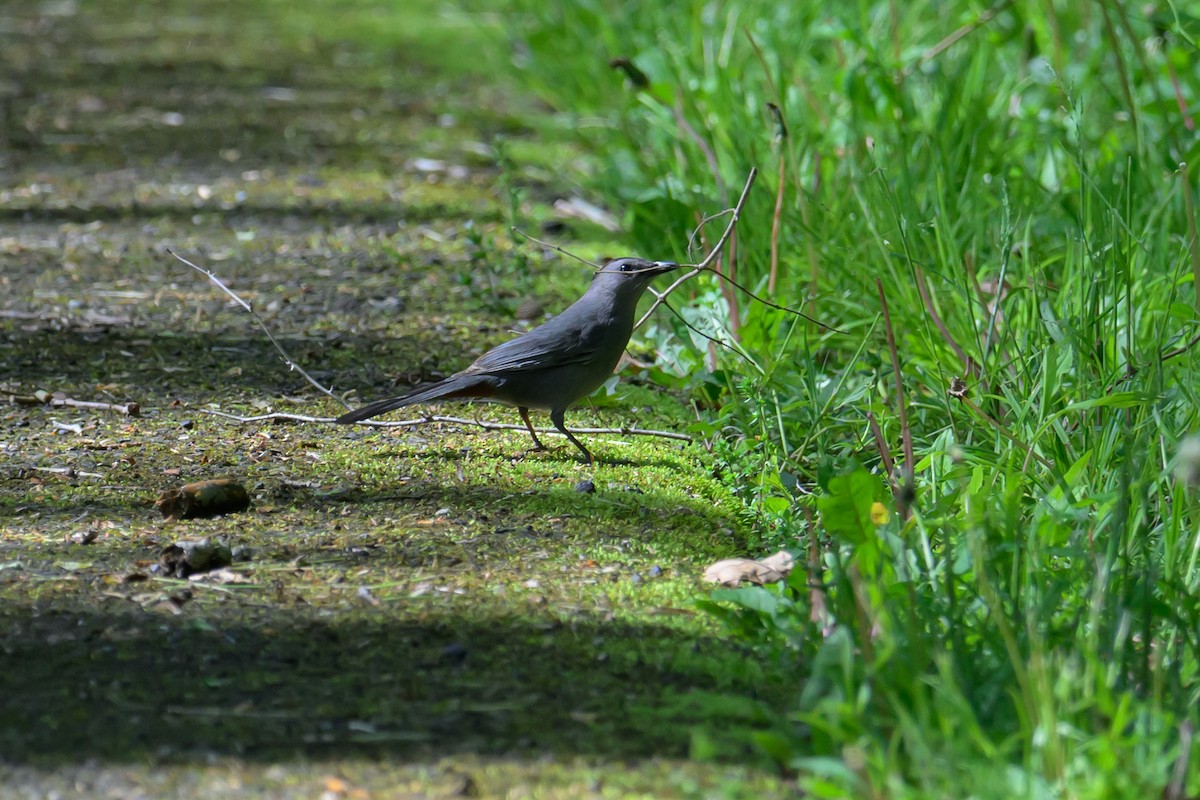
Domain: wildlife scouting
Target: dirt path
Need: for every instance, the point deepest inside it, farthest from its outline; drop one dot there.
(415, 613)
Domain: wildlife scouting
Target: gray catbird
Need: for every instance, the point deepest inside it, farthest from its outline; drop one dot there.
(555, 364)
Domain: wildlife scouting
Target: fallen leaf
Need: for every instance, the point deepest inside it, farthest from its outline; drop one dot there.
(203, 499)
(732, 571)
(780, 562)
(222, 575)
(84, 537)
(185, 557)
(336, 785)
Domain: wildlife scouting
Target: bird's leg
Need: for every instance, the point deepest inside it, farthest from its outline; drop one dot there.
(557, 416)
(524, 412)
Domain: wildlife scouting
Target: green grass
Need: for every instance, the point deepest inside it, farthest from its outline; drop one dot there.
(1029, 628)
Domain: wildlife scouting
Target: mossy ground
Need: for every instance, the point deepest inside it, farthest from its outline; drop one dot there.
(419, 612)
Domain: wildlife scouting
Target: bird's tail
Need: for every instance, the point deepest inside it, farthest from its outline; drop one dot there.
(452, 388)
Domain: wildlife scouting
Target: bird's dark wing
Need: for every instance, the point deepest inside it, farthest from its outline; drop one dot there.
(558, 343)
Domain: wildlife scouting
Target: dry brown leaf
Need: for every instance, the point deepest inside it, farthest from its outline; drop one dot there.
(203, 499)
(185, 557)
(222, 575)
(780, 562)
(732, 571)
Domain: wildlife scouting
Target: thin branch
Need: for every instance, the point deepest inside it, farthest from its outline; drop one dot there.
(699, 332)
(1178, 351)
(699, 229)
(283, 354)
(57, 401)
(660, 297)
(409, 423)
(696, 269)
(885, 453)
(68, 472)
(737, 214)
(776, 306)
(129, 409)
(1003, 431)
(555, 248)
(965, 30)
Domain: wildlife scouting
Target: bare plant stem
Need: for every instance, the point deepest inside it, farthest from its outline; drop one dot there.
(777, 224)
(409, 423)
(282, 353)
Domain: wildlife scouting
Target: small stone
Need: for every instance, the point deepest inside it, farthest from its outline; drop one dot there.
(585, 486)
(455, 653)
(187, 557)
(85, 537)
(656, 571)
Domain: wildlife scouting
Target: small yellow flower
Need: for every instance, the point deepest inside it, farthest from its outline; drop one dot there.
(879, 513)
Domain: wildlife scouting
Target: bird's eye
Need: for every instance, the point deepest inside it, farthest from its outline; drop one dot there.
(626, 267)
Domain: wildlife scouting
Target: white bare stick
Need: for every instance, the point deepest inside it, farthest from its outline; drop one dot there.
(555, 248)
(409, 423)
(282, 353)
(696, 269)
(736, 213)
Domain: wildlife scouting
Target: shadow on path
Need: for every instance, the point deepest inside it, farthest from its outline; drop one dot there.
(119, 685)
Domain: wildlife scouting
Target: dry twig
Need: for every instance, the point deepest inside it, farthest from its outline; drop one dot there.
(282, 353)
(956, 35)
(1178, 351)
(705, 265)
(696, 269)
(409, 423)
(554, 247)
(58, 400)
(129, 409)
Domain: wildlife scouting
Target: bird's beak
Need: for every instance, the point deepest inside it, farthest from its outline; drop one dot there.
(664, 266)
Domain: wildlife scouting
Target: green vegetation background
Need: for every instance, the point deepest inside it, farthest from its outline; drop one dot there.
(996, 206)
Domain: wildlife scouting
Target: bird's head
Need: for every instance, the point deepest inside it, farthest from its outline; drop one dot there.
(630, 276)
